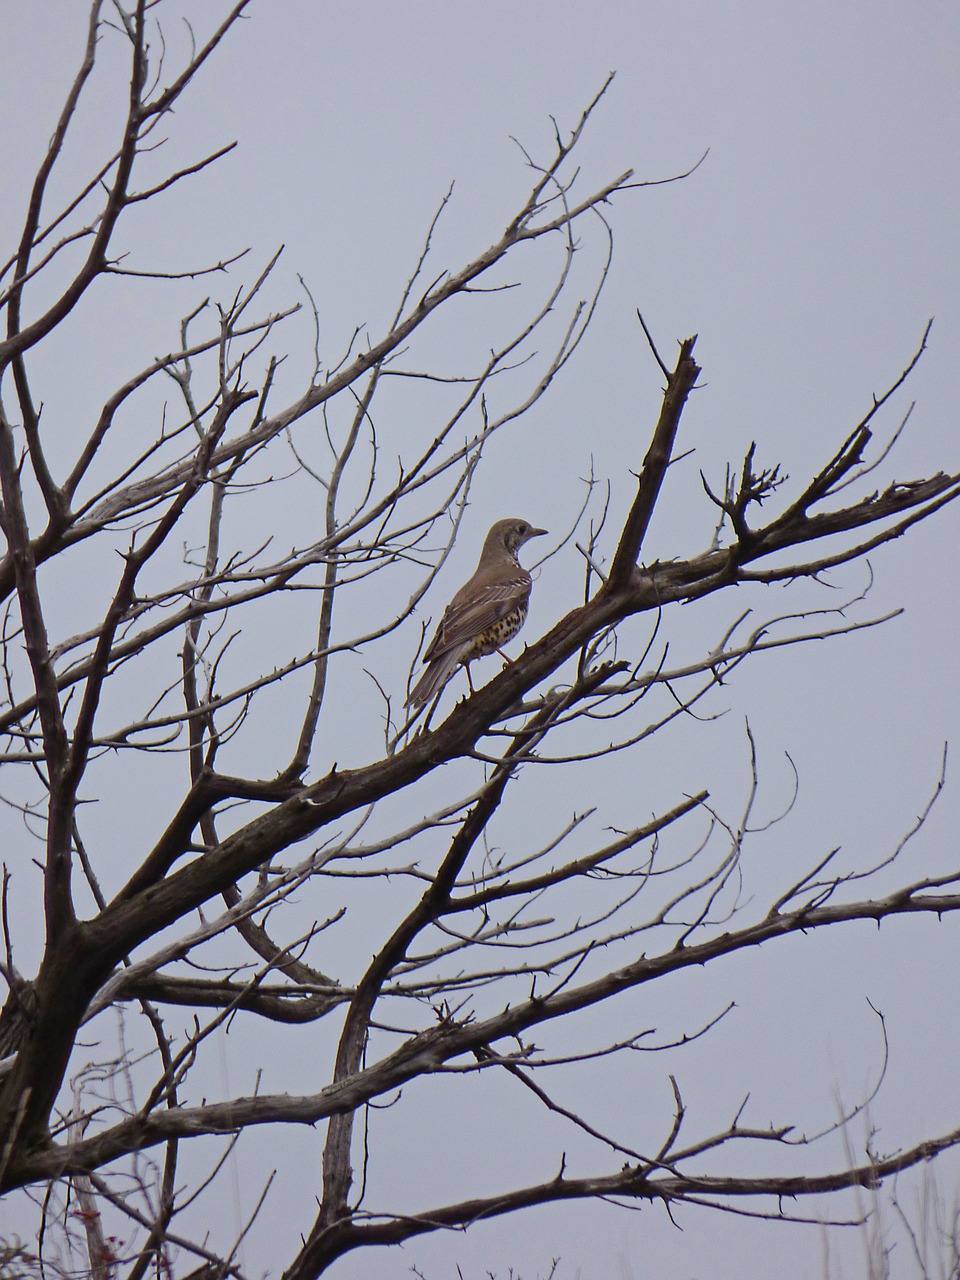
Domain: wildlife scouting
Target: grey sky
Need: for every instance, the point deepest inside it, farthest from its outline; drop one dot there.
(808, 251)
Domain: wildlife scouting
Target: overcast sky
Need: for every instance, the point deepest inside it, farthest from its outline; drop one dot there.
(808, 250)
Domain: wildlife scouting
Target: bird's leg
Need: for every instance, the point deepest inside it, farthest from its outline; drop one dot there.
(507, 662)
(466, 667)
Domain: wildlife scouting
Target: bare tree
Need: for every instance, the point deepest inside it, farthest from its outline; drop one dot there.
(194, 688)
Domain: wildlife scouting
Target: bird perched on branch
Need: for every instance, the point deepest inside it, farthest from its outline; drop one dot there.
(485, 613)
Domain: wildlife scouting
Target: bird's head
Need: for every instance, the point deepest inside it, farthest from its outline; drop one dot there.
(510, 535)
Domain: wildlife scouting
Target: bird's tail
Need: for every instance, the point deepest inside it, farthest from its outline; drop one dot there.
(436, 675)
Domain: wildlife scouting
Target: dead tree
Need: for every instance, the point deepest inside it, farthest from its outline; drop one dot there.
(155, 693)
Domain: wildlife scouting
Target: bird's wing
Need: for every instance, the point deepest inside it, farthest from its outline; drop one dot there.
(475, 608)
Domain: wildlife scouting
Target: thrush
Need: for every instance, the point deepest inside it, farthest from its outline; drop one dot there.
(485, 613)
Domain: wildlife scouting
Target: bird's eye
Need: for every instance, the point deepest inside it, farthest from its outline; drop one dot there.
(521, 527)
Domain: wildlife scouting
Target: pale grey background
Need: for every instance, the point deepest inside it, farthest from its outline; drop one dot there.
(808, 251)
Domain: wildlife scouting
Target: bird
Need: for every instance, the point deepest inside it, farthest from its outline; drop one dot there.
(485, 613)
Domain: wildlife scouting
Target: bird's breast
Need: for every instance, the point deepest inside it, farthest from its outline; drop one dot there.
(500, 632)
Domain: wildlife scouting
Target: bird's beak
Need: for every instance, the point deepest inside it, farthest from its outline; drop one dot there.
(535, 533)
